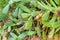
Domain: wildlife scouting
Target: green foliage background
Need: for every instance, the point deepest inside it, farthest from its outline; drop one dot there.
(19, 18)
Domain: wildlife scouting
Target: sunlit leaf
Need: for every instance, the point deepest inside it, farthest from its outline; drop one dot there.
(40, 6)
(52, 21)
(25, 15)
(28, 25)
(51, 33)
(48, 3)
(25, 1)
(46, 15)
(1, 32)
(13, 35)
(11, 38)
(23, 35)
(46, 6)
(57, 30)
(1, 17)
(31, 32)
(13, 1)
(9, 29)
(38, 30)
(18, 38)
(56, 36)
(57, 2)
(56, 24)
(44, 35)
(24, 8)
(35, 13)
(15, 14)
(6, 9)
(10, 24)
(52, 3)
(46, 23)
(16, 0)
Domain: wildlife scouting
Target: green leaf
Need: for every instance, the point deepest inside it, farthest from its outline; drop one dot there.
(52, 21)
(41, 6)
(18, 39)
(46, 6)
(13, 35)
(46, 23)
(56, 24)
(26, 33)
(48, 3)
(15, 14)
(2, 3)
(16, 0)
(1, 31)
(25, 1)
(51, 33)
(13, 1)
(19, 15)
(46, 16)
(52, 3)
(11, 38)
(44, 35)
(1, 17)
(57, 2)
(25, 15)
(28, 25)
(31, 32)
(9, 29)
(57, 29)
(23, 35)
(32, 2)
(24, 8)
(9, 24)
(35, 13)
(6, 9)
(14, 20)
(38, 30)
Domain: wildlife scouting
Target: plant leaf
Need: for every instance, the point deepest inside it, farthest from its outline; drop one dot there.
(57, 2)
(6, 9)
(48, 3)
(24, 8)
(18, 38)
(46, 23)
(57, 30)
(1, 17)
(51, 33)
(46, 16)
(9, 24)
(52, 3)
(38, 30)
(46, 6)
(56, 24)
(13, 35)
(23, 35)
(31, 33)
(28, 25)
(52, 21)
(44, 35)
(11, 38)
(41, 6)
(15, 14)
(25, 15)
(35, 13)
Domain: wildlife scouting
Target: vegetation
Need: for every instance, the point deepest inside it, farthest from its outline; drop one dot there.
(21, 19)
